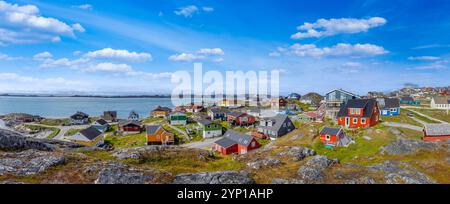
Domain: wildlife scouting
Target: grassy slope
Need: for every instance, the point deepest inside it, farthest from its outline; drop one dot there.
(438, 114)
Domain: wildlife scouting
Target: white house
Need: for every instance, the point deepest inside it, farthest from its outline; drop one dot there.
(440, 103)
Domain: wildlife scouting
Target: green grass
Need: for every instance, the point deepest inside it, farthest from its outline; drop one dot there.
(402, 118)
(438, 114)
(55, 122)
(362, 148)
(424, 119)
(55, 131)
(188, 162)
(128, 141)
(152, 120)
(72, 132)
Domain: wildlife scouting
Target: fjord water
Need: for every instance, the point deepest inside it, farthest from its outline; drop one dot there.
(63, 107)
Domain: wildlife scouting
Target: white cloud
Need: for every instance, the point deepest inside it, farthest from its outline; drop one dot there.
(42, 56)
(424, 58)
(187, 11)
(185, 57)
(204, 53)
(211, 51)
(110, 67)
(324, 27)
(109, 53)
(436, 65)
(84, 6)
(5, 57)
(341, 49)
(27, 79)
(24, 24)
(208, 9)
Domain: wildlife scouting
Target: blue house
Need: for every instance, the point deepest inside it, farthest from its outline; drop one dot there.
(389, 106)
(408, 100)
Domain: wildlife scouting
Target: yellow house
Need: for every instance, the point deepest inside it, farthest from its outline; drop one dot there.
(161, 112)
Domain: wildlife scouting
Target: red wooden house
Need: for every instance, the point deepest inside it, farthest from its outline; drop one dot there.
(241, 119)
(236, 143)
(436, 132)
(334, 137)
(359, 113)
(130, 127)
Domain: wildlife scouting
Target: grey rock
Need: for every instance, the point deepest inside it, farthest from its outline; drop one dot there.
(395, 131)
(399, 173)
(361, 180)
(266, 162)
(11, 141)
(313, 170)
(407, 146)
(221, 177)
(284, 181)
(29, 162)
(137, 153)
(298, 153)
(116, 173)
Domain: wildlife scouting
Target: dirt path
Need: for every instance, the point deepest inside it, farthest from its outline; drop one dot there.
(403, 125)
(426, 116)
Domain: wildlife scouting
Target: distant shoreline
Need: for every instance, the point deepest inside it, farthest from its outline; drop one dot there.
(86, 96)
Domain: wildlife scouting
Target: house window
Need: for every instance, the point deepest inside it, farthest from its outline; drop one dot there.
(284, 124)
(327, 137)
(253, 144)
(355, 120)
(393, 109)
(363, 121)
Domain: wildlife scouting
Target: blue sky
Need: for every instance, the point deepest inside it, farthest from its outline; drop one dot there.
(134, 46)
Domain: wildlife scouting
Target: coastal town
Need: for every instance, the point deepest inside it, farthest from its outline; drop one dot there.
(337, 127)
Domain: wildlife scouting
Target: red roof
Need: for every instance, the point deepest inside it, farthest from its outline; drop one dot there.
(312, 114)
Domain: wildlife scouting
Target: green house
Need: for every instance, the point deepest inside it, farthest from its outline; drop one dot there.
(178, 118)
(210, 129)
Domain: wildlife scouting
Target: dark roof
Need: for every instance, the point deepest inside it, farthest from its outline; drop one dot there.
(91, 133)
(407, 98)
(367, 104)
(330, 131)
(110, 113)
(128, 122)
(151, 129)
(239, 138)
(219, 111)
(225, 142)
(391, 103)
(278, 119)
(159, 108)
(101, 122)
(204, 121)
(79, 115)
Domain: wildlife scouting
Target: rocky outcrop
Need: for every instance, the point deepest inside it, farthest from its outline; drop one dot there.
(285, 181)
(29, 162)
(401, 173)
(11, 141)
(266, 162)
(300, 153)
(221, 177)
(139, 152)
(407, 146)
(117, 173)
(313, 170)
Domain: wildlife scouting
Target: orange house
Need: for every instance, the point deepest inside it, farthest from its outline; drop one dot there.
(334, 137)
(157, 135)
(359, 113)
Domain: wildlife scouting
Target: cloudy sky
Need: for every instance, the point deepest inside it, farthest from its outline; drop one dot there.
(114, 46)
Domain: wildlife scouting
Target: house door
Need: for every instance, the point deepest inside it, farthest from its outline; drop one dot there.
(347, 122)
(243, 151)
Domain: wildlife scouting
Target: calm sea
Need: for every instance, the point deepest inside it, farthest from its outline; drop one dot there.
(62, 107)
